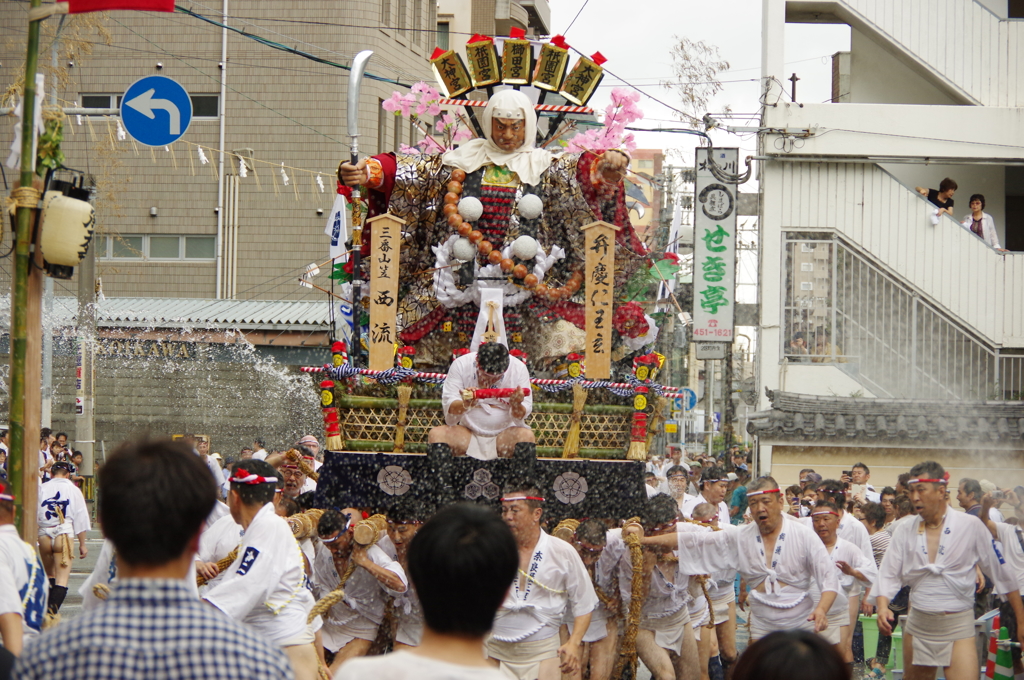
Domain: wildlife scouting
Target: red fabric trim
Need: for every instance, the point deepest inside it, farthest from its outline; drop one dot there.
(377, 200)
(425, 325)
(80, 6)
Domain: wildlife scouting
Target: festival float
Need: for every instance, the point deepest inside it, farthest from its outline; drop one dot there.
(456, 241)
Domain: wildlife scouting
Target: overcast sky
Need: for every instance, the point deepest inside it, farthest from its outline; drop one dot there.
(637, 45)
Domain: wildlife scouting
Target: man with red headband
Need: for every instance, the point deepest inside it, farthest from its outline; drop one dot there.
(551, 579)
(778, 557)
(485, 428)
(22, 582)
(266, 586)
(350, 626)
(935, 553)
(851, 563)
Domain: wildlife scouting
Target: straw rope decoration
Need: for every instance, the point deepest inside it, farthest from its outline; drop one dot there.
(101, 590)
(295, 456)
(65, 552)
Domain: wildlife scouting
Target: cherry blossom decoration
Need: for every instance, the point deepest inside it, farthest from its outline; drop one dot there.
(424, 100)
(622, 112)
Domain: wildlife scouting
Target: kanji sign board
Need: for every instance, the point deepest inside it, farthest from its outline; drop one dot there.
(714, 238)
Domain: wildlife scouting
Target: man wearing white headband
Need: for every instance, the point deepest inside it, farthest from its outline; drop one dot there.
(497, 194)
(778, 557)
(61, 514)
(852, 565)
(265, 587)
(713, 486)
(935, 553)
(551, 579)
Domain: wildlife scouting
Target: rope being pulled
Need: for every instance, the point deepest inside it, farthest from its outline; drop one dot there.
(332, 598)
(627, 651)
(222, 564)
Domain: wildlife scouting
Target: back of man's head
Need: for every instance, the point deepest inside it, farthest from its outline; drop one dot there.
(155, 497)
(257, 481)
(659, 509)
(832, 490)
(462, 563)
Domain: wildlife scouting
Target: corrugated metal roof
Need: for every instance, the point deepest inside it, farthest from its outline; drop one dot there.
(191, 313)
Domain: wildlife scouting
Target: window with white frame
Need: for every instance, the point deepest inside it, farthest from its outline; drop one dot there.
(157, 247)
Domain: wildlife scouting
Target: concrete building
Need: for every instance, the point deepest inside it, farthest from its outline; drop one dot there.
(904, 316)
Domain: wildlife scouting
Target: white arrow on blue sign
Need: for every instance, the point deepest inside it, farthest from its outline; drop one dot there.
(156, 110)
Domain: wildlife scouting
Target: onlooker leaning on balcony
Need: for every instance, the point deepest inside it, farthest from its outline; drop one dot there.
(943, 198)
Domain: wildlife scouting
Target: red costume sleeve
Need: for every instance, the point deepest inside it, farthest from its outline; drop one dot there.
(377, 200)
(609, 204)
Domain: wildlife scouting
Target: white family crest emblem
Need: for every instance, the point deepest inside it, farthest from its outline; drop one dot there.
(570, 488)
(394, 480)
(482, 486)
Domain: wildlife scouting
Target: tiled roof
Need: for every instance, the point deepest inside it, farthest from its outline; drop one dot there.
(189, 313)
(798, 417)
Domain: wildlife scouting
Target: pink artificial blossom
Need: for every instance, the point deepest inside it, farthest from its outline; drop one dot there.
(620, 113)
(393, 103)
(408, 150)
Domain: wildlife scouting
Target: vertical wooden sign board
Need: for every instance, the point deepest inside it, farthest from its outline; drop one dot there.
(385, 242)
(600, 275)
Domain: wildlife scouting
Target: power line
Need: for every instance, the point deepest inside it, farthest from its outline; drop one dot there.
(585, 3)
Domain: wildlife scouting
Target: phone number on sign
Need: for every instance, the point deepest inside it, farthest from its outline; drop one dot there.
(713, 332)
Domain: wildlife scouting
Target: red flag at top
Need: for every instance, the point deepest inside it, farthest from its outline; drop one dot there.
(80, 6)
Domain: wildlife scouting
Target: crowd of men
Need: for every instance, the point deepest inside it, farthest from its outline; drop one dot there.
(192, 551)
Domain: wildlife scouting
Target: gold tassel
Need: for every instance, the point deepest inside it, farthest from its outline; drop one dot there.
(404, 395)
(571, 449)
(637, 451)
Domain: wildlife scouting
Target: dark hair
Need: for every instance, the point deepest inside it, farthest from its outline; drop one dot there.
(805, 470)
(305, 500)
(408, 509)
(875, 514)
(793, 490)
(762, 483)
(799, 335)
(711, 473)
(260, 441)
(523, 487)
(887, 491)
(65, 434)
(972, 487)
(977, 197)
(659, 509)
(76, 452)
(492, 357)
(791, 655)
(947, 184)
(903, 505)
(929, 469)
(863, 467)
(45, 432)
(254, 494)
(156, 495)
(289, 505)
(832, 490)
(826, 505)
(61, 466)
(649, 474)
(903, 479)
(462, 562)
(592, 531)
(331, 522)
(675, 470)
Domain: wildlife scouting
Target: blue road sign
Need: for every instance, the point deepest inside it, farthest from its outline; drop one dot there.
(690, 400)
(156, 110)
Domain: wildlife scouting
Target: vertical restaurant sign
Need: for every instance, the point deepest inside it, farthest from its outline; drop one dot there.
(599, 245)
(714, 251)
(385, 242)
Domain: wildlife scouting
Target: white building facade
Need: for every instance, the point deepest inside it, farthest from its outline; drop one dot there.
(890, 303)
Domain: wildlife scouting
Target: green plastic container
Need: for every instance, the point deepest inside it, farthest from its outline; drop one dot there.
(869, 624)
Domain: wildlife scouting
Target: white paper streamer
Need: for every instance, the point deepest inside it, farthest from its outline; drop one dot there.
(202, 155)
(284, 175)
(320, 183)
(121, 134)
(243, 171)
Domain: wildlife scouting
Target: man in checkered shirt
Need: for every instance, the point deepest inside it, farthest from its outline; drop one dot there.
(155, 498)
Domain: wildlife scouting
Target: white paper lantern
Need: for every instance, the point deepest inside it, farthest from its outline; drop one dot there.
(464, 250)
(530, 206)
(525, 247)
(68, 224)
(471, 208)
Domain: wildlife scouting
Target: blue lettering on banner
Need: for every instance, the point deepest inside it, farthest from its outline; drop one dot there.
(33, 594)
(999, 554)
(248, 558)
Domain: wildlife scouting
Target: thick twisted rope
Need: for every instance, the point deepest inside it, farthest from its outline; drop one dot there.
(627, 652)
(295, 456)
(332, 598)
(222, 564)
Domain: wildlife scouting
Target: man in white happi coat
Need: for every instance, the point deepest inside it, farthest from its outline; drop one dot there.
(61, 514)
(1010, 544)
(551, 579)
(935, 553)
(778, 556)
(600, 550)
(851, 530)
(266, 586)
(405, 519)
(713, 486)
(22, 582)
(665, 640)
(485, 428)
(722, 590)
(350, 626)
(853, 567)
